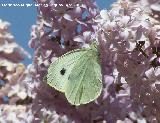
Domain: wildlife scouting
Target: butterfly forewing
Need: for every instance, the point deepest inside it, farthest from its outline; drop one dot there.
(60, 70)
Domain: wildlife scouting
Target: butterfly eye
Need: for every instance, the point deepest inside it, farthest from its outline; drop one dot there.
(63, 71)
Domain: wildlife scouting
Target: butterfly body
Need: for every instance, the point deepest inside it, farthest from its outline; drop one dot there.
(78, 75)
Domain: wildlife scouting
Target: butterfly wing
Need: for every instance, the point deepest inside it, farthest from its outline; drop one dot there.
(59, 71)
(85, 80)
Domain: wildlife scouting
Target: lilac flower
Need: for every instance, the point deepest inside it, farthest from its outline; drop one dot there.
(152, 6)
(13, 90)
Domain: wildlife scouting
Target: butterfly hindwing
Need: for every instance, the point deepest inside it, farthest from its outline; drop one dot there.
(60, 70)
(85, 80)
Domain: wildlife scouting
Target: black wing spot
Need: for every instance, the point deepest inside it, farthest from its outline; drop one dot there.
(63, 71)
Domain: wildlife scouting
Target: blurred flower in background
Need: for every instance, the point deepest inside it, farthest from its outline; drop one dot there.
(14, 95)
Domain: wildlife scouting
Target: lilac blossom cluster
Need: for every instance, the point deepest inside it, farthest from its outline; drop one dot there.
(132, 36)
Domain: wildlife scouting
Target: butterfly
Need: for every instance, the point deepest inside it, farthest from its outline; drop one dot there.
(77, 74)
